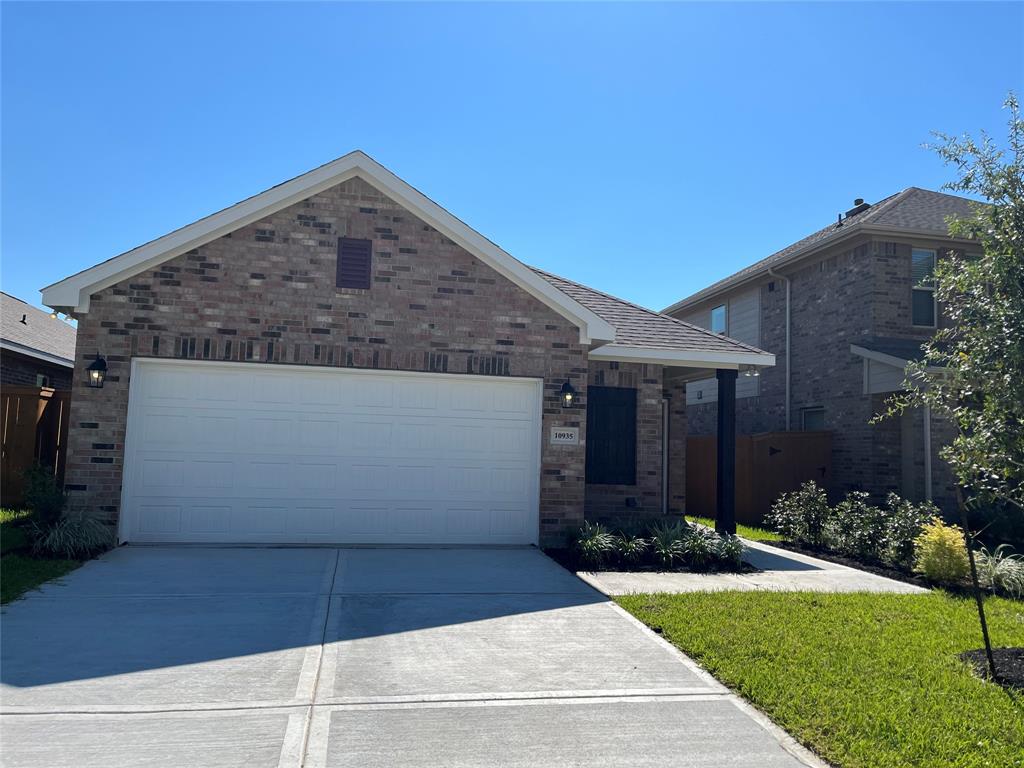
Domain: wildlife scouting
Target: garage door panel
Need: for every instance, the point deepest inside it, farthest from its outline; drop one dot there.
(329, 455)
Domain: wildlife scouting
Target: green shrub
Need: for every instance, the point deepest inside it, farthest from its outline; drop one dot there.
(594, 543)
(940, 554)
(905, 520)
(667, 541)
(803, 515)
(42, 495)
(73, 537)
(631, 549)
(858, 528)
(700, 546)
(1001, 570)
(729, 551)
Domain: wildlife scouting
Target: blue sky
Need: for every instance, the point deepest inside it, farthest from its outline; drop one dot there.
(646, 150)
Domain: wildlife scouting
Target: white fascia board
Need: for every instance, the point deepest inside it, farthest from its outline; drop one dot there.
(21, 349)
(884, 359)
(74, 291)
(682, 358)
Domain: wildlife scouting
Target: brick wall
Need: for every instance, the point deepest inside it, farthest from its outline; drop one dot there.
(21, 371)
(604, 502)
(267, 293)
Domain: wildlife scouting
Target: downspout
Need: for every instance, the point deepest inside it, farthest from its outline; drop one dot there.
(666, 406)
(927, 413)
(789, 377)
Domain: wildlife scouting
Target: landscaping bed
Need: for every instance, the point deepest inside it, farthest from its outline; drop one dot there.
(865, 680)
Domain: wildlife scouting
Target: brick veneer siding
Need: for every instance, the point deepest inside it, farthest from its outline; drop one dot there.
(604, 502)
(266, 293)
(854, 292)
(21, 371)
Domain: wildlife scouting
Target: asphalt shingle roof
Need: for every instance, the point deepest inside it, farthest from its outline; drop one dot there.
(636, 326)
(39, 331)
(904, 349)
(913, 208)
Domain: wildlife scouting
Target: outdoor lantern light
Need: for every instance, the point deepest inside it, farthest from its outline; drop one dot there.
(568, 395)
(752, 371)
(97, 371)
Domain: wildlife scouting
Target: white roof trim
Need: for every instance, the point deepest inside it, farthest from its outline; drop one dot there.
(884, 359)
(682, 358)
(74, 291)
(21, 349)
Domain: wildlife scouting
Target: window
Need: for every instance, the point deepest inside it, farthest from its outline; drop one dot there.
(812, 419)
(718, 319)
(922, 294)
(354, 259)
(611, 436)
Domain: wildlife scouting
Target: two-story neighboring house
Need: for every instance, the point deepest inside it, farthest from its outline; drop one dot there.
(843, 310)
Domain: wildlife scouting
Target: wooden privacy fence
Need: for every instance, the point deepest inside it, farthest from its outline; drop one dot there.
(767, 464)
(35, 429)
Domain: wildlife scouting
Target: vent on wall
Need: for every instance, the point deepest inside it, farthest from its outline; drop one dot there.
(354, 261)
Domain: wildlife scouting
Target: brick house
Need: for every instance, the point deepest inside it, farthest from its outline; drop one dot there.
(36, 350)
(844, 309)
(339, 359)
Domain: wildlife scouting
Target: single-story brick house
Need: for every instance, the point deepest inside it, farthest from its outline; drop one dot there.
(339, 359)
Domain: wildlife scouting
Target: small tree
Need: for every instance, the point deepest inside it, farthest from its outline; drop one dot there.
(972, 373)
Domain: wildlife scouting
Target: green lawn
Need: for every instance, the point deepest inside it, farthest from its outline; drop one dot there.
(20, 572)
(745, 531)
(866, 681)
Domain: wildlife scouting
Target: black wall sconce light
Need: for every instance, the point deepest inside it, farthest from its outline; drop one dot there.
(568, 395)
(97, 372)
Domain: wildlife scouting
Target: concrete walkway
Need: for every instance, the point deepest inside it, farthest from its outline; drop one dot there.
(162, 656)
(780, 570)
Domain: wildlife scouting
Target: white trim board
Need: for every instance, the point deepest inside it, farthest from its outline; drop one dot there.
(72, 293)
(21, 349)
(681, 358)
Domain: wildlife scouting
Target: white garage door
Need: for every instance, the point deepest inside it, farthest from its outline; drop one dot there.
(261, 453)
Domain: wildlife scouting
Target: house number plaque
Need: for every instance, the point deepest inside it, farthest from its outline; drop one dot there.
(565, 435)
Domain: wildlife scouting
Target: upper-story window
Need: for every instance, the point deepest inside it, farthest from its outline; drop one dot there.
(922, 294)
(719, 319)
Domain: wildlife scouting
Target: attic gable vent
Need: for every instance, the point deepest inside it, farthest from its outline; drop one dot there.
(354, 261)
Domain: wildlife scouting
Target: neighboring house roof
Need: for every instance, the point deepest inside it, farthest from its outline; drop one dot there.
(645, 335)
(31, 331)
(891, 351)
(638, 334)
(912, 210)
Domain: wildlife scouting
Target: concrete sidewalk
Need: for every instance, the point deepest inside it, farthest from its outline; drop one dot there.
(406, 658)
(780, 570)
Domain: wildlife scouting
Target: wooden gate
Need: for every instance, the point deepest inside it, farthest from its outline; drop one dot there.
(35, 429)
(767, 465)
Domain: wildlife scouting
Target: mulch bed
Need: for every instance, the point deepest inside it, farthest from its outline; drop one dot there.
(567, 558)
(1009, 665)
(877, 569)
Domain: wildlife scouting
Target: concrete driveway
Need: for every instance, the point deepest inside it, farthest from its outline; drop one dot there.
(354, 657)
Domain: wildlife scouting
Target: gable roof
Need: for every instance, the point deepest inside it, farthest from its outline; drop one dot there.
(644, 335)
(912, 210)
(30, 331)
(72, 293)
(639, 334)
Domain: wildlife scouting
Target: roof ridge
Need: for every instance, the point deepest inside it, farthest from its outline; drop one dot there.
(655, 313)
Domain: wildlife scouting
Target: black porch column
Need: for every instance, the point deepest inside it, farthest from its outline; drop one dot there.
(725, 494)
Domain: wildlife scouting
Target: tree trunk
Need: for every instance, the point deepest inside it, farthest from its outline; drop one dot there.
(976, 586)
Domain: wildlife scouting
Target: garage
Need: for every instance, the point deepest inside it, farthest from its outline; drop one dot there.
(255, 453)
